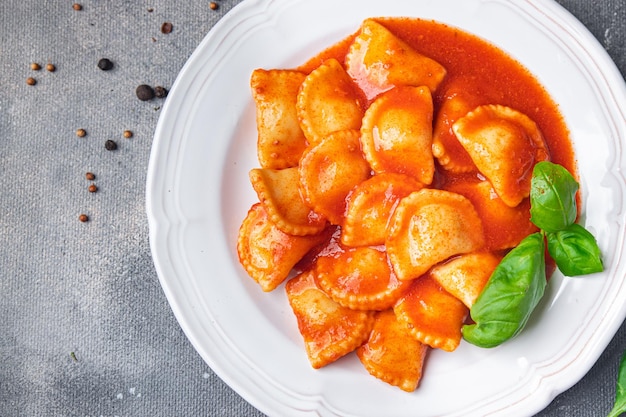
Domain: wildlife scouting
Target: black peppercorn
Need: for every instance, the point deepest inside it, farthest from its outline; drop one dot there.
(160, 92)
(144, 92)
(110, 145)
(105, 64)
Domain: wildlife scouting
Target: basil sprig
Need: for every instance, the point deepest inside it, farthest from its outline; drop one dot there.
(517, 284)
(619, 405)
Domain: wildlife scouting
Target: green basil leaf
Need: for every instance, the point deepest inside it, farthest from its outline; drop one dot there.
(510, 296)
(552, 197)
(575, 251)
(619, 405)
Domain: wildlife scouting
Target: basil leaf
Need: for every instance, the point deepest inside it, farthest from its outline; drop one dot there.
(552, 197)
(575, 251)
(619, 406)
(510, 296)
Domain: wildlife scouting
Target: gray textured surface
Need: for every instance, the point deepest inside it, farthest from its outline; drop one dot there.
(85, 328)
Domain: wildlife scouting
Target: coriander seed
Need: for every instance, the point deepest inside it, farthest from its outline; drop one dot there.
(166, 28)
(31, 81)
(35, 66)
(105, 64)
(128, 134)
(51, 67)
(81, 133)
(110, 145)
(77, 6)
(83, 218)
(213, 5)
(90, 176)
(144, 92)
(93, 188)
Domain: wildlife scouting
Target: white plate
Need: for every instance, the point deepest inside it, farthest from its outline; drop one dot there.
(198, 193)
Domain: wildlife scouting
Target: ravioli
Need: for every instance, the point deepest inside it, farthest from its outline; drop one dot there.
(328, 101)
(396, 135)
(505, 145)
(329, 330)
(392, 354)
(280, 140)
(378, 61)
(330, 170)
(359, 278)
(278, 191)
(465, 276)
(430, 226)
(456, 102)
(267, 253)
(370, 205)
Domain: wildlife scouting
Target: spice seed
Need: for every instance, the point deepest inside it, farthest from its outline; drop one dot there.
(51, 67)
(166, 28)
(77, 6)
(160, 92)
(90, 176)
(128, 134)
(83, 218)
(31, 81)
(105, 64)
(110, 145)
(35, 66)
(144, 92)
(213, 5)
(81, 133)
(93, 188)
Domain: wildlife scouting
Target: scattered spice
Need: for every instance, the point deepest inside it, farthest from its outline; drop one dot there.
(31, 81)
(51, 67)
(90, 176)
(93, 188)
(35, 66)
(128, 134)
(81, 133)
(166, 28)
(77, 6)
(110, 145)
(213, 5)
(150, 9)
(83, 218)
(160, 92)
(73, 356)
(105, 64)
(144, 92)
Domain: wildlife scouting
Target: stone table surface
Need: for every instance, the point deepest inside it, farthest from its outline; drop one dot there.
(85, 328)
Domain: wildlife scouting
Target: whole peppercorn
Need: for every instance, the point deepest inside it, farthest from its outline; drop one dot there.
(166, 28)
(81, 133)
(128, 134)
(51, 67)
(31, 81)
(110, 145)
(90, 176)
(144, 92)
(160, 92)
(93, 188)
(105, 64)
(35, 66)
(83, 218)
